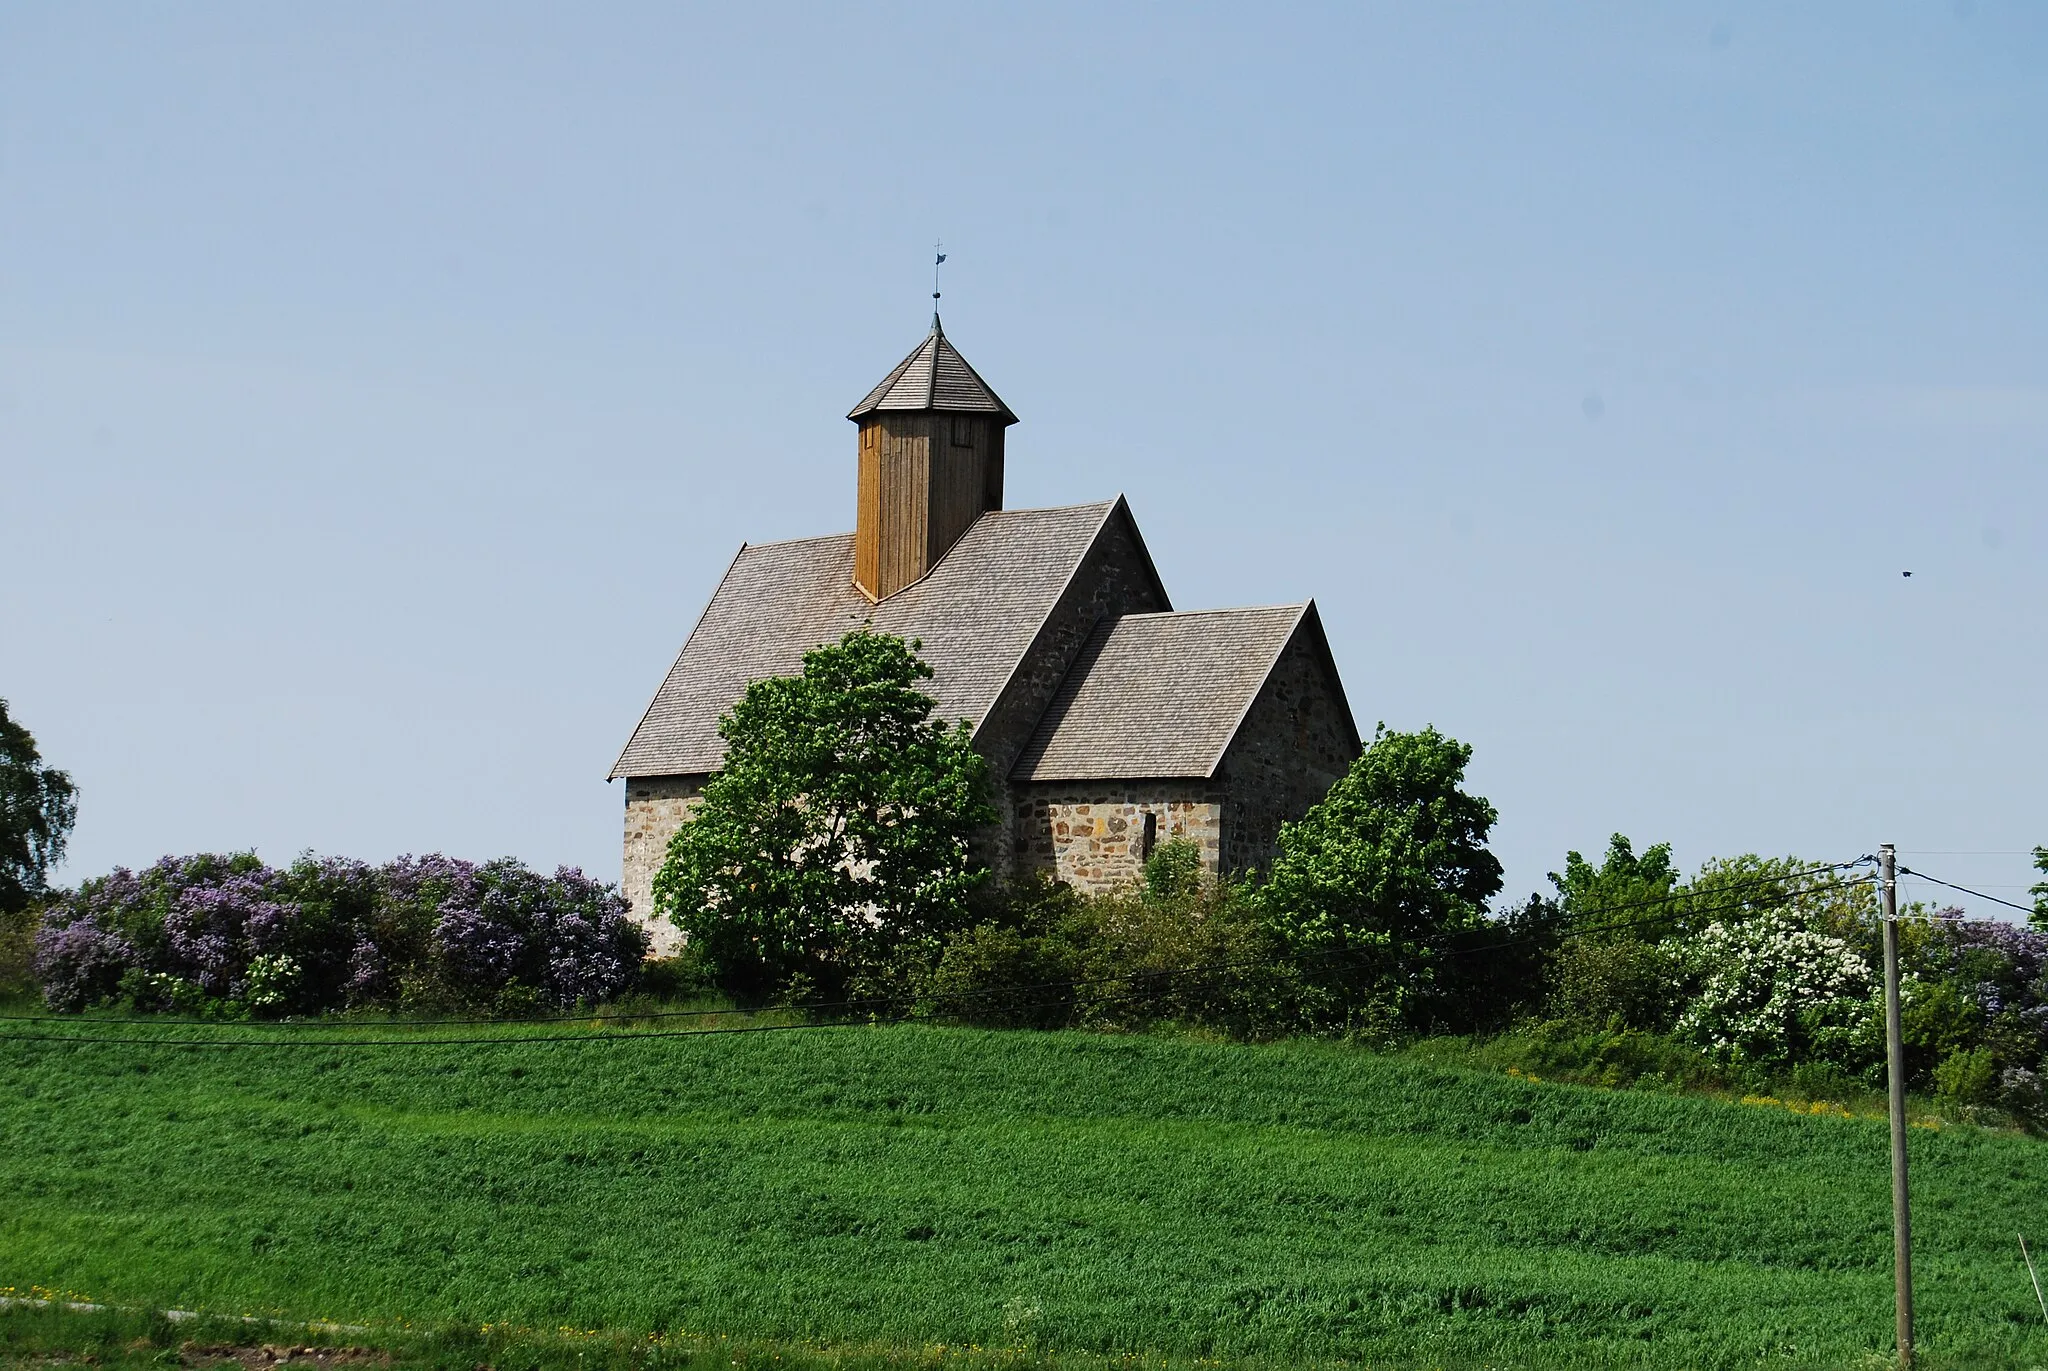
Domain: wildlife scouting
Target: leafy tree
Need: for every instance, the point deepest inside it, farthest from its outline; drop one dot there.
(2039, 918)
(1617, 983)
(837, 833)
(1372, 884)
(1624, 889)
(1500, 968)
(1611, 972)
(38, 806)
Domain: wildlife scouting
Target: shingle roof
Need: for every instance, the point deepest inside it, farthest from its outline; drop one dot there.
(934, 377)
(977, 611)
(1158, 695)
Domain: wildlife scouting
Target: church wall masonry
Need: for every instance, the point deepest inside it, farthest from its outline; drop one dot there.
(655, 808)
(1094, 836)
(1294, 744)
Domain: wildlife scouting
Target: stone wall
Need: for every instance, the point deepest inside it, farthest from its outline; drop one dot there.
(1295, 742)
(655, 808)
(1115, 578)
(1092, 834)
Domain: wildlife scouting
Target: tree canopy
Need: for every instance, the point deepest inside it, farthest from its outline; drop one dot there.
(1372, 883)
(2039, 918)
(838, 831)
(38, 806)
(1625, 889)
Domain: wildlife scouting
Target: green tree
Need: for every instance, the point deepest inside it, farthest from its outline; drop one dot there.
(1610, 971)
(1375, 881)
(38, 806)
(837, 835)
(1623, 889)
(2039, 918)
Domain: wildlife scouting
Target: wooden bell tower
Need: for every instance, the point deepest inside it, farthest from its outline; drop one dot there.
(931, 463)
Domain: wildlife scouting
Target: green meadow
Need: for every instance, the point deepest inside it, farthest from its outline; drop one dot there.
(1053, 1196)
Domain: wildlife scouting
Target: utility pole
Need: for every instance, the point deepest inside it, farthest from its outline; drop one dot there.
(1895, 1064)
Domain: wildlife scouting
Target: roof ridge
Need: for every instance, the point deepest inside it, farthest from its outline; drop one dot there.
(788, 542)
(827, 537)
(1051, 509)
(1296, 605)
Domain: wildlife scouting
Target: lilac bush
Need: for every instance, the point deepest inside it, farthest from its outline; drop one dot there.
(593, 949)
(2000, 965)
(567, 939)
(233, 936)
(1984, 985)
(213, 930)
(81, 963)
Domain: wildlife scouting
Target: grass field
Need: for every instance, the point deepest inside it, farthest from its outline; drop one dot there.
(1067, 1193)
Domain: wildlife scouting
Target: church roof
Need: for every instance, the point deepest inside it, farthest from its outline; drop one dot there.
(978, 612)
(934, 377)
(1163, 695)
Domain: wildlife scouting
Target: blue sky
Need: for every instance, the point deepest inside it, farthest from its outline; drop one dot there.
(384, 387)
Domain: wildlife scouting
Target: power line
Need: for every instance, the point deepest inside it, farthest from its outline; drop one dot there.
(1969, 851)
(1566, 934)
(1921, 875)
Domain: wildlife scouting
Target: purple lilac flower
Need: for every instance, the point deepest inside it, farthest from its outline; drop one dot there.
(107, 899)
(592, 948)
(411, 879)
(355, 929)
(567, 937)
(214, 929)
(482, 932)
(80, 962)
(369, 972)
(480, 952)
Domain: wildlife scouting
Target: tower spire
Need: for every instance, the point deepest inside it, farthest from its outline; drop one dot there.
(931, 462)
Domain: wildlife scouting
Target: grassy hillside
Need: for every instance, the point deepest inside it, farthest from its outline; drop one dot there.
(1062, 1191)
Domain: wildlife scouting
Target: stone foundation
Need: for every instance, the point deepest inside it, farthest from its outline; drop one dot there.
(655, 808)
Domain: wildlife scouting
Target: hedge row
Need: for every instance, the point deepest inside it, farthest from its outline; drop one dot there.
(228, 936)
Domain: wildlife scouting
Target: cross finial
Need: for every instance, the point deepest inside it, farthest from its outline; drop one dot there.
(938, 259)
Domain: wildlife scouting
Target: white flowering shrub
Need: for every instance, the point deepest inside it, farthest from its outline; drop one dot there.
(271, 978)
(1771, 990)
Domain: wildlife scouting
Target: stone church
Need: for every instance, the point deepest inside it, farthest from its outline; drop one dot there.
(1110, 720)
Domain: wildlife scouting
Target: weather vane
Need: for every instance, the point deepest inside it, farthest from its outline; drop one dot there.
(939, 259)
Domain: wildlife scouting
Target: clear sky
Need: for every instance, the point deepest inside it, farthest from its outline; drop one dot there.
(383, 388)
